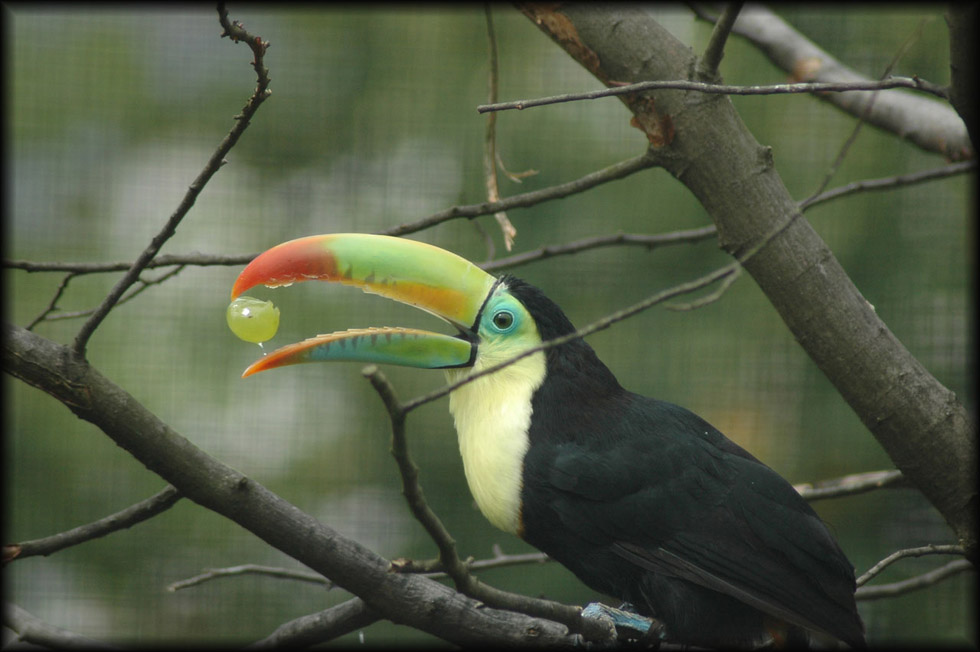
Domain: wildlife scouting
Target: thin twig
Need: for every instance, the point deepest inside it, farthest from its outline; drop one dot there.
(913, 583)
(723, 89)
(126, 299)
(613, 172)
(490, 140)
(708, 298)
(886, 183)
(715, 50)
(141, 511)
(251, 569)
(598, 325)
(79, 269)
(547, 251)
(217, 159)
(615, 239)
(931, 549)
(411, 488)
(432, 568)
(53, 304)
(863, 118)
(850, 485)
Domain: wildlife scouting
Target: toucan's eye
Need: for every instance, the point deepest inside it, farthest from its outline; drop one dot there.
(503, 319)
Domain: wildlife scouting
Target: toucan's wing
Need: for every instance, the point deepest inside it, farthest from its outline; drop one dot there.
(669, 493)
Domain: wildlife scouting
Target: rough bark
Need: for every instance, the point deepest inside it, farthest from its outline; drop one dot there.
(701, 140)
(402, 598)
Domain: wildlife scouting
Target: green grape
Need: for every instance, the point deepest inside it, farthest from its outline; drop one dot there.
(253, 320)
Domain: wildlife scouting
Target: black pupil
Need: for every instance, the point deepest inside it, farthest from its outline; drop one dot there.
(503, 319)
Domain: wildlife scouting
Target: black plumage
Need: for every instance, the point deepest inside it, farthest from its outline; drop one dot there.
(647, 502)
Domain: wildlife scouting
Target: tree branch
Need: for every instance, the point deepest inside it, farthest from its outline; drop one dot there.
(589, 181)
(490, 140)
(141, 511)
(594, 327)
(408, 599)
(465, 581)
(931, 549)
(320, 627)
(710, 89)
(850, 485)
(715, 50)
(31, 629)
(921, 424)
(888, 183)
(615, 239)
(913, 583)
(930, 125)
(250, 569)
(236, 32)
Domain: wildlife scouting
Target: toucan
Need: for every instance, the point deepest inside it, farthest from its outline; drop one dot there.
(641, 499)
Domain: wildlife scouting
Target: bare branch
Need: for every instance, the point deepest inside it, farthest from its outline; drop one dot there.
(589, 181)
(411, 488)
(217, 159)
(718, 89)
(457, 569)
(913, 583)
(615, 239)
(490, 154)
(141, 511)
(850, 485)
(852, 137)
(250, 569)
(709, 298)
(49, 366)
(887, 183)
(931, 549)
(598, 325)
(53, 304)
(930, 125)
(79, 269)
(31, 629)
(320, 627)
(541, 253)
(127, 298)
(711, 59)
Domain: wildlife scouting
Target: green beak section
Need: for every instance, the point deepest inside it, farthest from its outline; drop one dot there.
(402, 346)
(415, 273)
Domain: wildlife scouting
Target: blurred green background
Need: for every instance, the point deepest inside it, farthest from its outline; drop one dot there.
(372, 123)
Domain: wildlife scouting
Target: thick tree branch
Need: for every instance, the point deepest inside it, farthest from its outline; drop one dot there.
(408, 599)
(929, 124)
(31, 629)
(702, 141)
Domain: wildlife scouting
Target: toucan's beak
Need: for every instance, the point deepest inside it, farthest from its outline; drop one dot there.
(415, 273)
